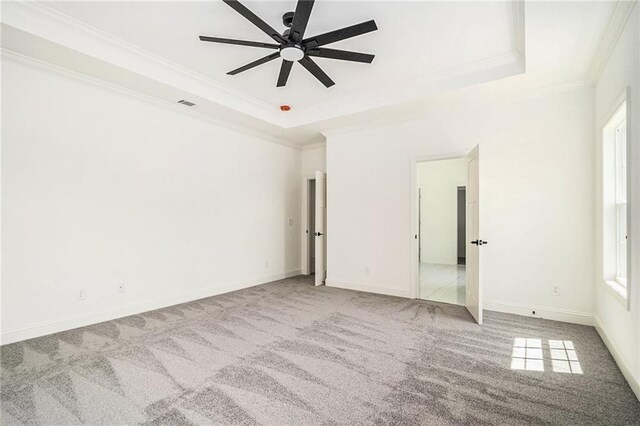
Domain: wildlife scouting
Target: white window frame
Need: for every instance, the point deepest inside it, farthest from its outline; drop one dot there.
(621, 182)
(615, 195)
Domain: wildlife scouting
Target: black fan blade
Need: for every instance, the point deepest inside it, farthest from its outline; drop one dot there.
(344, 55)
(314, 69)
(255, 20)
(300, 20)
(285, 69)
(255, 63)
(341, 34)
(239, 42)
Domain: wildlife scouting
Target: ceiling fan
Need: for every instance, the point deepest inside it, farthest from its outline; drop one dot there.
(292, 46)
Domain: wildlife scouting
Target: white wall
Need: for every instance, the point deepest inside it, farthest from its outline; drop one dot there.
(101, 188)
(621, 327)
(314, 158)
(439, 182)
(536, 201)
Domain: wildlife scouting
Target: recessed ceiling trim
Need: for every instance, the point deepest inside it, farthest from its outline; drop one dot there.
(59, 28)
(52, 25)
(8, 55)
(497, 67)
(501, 66)
(612, 33)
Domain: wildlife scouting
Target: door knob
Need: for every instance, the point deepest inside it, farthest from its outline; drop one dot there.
(479, 242)
(318, 234)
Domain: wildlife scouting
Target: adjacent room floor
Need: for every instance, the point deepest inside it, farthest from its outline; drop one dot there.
(442, 283)
(291, 353)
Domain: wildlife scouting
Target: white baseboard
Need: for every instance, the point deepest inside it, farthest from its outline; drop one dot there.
(634, 382)
(573, 317)
(582, 318)
(54, 326)
(368, 288)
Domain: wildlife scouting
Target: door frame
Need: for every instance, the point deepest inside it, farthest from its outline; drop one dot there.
(305, 235)
(320, 240)
(461, 188)
(413, 238)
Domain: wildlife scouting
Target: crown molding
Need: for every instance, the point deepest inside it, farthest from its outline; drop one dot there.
(47, 23)
(8, 55)
(316, 145)
(518, 17)
(540, 92)
(552, 90)
(617, 22)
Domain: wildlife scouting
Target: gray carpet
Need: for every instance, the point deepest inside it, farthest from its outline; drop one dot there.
(290, 353)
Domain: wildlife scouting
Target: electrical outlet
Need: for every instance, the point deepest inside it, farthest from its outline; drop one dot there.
(555, 290)
(367, 270)
(82, 295)
(120, 288)
(290, 222)
(266, 263)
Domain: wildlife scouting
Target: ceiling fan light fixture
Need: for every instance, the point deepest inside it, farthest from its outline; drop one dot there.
(291, 53)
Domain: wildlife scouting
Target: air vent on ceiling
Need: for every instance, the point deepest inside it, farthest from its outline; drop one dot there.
(187, 103)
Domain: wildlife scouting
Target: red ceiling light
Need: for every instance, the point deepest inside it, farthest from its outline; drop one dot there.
(285, 108)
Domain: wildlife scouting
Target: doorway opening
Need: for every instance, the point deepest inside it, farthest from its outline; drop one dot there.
(442, 236)
(311, 231)
(461, 208)
(314, 226)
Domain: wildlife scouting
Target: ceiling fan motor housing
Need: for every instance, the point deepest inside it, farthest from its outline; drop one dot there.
(287, 19)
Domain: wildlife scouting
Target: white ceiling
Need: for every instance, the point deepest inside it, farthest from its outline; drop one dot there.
(413, 40)
(425, 51)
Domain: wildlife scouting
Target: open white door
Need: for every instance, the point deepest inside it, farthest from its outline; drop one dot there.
(474, 243)
(321, 227)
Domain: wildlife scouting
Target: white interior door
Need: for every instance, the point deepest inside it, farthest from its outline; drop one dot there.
(474, 243)
(321, 227)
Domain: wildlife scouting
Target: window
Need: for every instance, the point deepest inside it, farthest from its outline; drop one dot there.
(621, 202)
(614, 197)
